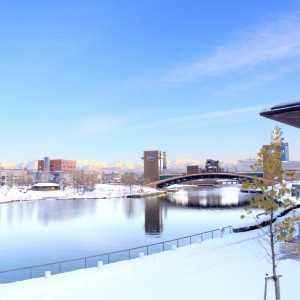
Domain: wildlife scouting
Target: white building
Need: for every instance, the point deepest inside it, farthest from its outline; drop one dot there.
(12, 177)
(244, 165)
(292, 165)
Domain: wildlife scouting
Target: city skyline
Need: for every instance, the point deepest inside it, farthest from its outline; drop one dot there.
(104, 82)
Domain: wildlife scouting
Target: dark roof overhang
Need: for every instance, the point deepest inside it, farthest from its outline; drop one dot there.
(287, 113)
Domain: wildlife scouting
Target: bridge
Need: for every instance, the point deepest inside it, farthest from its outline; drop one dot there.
(189, 177)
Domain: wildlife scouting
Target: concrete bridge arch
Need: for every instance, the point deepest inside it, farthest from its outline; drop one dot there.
(188, 177)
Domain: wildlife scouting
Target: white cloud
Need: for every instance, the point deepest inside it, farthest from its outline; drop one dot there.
(207, 119)
(268, 42)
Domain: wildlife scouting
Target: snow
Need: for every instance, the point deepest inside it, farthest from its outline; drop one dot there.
(46, 184)
(282, 105)
(101, 191)
(232, 267)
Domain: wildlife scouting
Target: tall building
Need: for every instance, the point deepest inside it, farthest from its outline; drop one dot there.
(56, 165)
(152, 165)
(284, 149)
(164, 160)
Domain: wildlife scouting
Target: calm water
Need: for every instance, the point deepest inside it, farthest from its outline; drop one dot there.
(39, 232)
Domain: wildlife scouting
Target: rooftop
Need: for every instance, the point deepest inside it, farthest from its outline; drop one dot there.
(287, 113)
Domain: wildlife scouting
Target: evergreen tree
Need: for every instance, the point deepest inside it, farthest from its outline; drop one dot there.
(272, 199)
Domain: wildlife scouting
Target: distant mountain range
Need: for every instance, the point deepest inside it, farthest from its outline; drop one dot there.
(120, 167)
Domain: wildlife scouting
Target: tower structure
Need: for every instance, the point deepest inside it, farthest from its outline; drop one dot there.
(152, 165)
(164, 160)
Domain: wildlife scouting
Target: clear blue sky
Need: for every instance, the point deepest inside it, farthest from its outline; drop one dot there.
(105, 80)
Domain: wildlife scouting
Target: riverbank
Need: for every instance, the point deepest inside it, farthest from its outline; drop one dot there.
(102, 191)
(149, 194)
(232, 267)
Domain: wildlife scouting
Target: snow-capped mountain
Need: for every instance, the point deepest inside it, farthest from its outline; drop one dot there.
(120, 167)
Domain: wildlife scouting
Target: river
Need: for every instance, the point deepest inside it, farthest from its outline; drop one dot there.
(45, 231)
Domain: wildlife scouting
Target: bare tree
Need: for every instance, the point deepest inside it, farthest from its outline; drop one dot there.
(29, 178)
(129, 180)
(10, 178)
(21, 179)
(84, 182)
(142, 182)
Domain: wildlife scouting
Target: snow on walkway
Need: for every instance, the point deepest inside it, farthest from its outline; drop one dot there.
(232, 267)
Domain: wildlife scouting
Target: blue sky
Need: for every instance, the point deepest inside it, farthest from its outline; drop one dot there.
(105, 80)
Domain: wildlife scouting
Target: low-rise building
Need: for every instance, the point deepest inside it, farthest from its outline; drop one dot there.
(193, 170)
(212, 166)
(45, 187)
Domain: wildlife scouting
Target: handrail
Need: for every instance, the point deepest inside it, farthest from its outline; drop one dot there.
(114, 252)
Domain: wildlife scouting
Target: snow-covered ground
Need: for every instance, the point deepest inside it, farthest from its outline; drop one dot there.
(101, 191)
(229, 268)
(232, 268)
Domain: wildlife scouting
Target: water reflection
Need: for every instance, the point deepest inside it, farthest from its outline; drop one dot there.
(51, 230)
(209, 196)
(45, 212)
(153, 216)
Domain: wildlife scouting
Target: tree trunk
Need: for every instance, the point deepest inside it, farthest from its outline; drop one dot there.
(272, 242)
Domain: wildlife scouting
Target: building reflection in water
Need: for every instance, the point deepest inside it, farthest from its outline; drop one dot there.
(215, 196)
(45, 212)
(153, 216)
(133, 207)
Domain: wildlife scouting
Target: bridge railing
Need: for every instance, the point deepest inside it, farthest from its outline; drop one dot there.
(63, 266)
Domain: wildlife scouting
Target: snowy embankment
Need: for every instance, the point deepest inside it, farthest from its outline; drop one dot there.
(101, 191)
(264, 220)
(232, 268)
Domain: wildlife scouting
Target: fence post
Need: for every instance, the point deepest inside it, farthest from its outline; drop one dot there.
(100, 264)
(147, 251)
(47, 274)
(177, 243)
(108, 258)
(85, 262)
(30, 273)
(163, 246)
(59, 267)
(129, 254)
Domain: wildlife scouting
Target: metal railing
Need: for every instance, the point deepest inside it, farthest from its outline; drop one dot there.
(63, 266)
